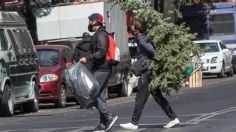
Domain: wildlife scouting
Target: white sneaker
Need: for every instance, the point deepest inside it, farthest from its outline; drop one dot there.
(172, 123)
(129, 126)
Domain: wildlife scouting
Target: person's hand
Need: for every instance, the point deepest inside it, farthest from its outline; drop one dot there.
(83, 60)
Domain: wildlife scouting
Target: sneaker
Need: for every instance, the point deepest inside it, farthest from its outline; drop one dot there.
(129, 126)
(99, 128)
(172, 123)
(111, 122)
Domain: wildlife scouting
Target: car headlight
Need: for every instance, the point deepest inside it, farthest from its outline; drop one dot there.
(214, 59)
(48, 78)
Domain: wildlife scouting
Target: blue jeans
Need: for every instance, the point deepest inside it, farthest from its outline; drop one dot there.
(100, 103)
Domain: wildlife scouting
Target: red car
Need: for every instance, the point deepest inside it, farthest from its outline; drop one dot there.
(53, 60)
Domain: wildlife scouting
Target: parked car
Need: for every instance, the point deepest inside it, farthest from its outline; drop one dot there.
(18, 66)
(53, 60)
(233, 52)
(217, 59)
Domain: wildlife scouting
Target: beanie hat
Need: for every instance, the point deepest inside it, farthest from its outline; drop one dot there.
(96, 17)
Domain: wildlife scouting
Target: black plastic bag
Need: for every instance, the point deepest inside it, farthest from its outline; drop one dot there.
(83, 83)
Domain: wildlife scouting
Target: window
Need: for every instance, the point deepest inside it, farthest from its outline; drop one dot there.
(48, 57)
(13, 41)
(28, 40)
(67, 53)
(23, 41)
(18, 42)
(4, 44)
(222, 24)
(209, 47)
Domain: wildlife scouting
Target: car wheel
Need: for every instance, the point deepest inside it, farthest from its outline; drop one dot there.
(124, 88)
(231, 72)
(61, 102)
(222, 73)
(7, 104)
(33, 105)
(234, 67)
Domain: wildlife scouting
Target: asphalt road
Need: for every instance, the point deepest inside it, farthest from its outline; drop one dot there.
(211, 108)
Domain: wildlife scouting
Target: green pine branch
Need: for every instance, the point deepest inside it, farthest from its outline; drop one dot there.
(173, 46)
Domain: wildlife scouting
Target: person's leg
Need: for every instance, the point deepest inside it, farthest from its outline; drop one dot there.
(100, 102)
(140, 100)
(157, 95)
(106, 117)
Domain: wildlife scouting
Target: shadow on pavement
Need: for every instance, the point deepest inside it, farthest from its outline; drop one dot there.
(52, 106)
(209, 77)
(41, 115)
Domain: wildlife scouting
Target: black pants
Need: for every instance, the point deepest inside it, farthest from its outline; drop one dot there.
(142, 96)
(100, 103)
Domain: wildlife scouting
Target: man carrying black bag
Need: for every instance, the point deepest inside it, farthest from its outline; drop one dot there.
(101, 69)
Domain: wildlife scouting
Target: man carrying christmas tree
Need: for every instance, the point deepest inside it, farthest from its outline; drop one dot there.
(147, 51)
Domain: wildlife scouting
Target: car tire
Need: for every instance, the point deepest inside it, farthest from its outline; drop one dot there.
(234, 67)
(7, 104)
(124, 88)
(61, 102)
(231, 72)
(33, 105)
(222, 73)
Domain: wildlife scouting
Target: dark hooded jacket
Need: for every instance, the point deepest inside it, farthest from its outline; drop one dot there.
(99, 49)
(82, 49)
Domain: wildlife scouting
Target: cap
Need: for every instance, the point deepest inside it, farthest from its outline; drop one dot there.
(97, 17)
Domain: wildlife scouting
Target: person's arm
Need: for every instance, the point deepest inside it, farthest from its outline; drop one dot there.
(102, 47)
(148, 46)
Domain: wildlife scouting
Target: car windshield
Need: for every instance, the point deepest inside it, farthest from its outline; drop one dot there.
(209, 47)
(48, 57)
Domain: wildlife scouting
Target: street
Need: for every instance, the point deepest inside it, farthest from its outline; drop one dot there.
(211, 108)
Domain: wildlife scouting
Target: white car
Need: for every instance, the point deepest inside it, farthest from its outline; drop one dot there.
(217, 59)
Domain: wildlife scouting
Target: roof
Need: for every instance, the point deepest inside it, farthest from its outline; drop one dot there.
(207, 41)
(11, 18)
(56, 47)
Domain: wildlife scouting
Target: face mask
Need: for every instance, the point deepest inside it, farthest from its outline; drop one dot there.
(90, 28)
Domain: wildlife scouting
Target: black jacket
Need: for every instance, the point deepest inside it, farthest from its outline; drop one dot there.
(145, 48)
(146, 51)
(99, 48)
(82, 49)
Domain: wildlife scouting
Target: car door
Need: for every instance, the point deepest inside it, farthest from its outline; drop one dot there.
(29, 65)
(67, 59)
(22, 65)
(227, 56)
(7, 58)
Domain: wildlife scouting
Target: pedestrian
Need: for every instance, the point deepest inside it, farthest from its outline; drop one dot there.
(82, 49)
(101, 69)
(147, 52)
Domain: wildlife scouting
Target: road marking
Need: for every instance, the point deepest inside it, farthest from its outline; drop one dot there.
(207, 116)
(121, 102)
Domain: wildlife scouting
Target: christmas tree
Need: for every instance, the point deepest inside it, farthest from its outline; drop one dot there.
(173, 46)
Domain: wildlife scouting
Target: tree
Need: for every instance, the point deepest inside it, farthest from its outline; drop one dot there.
(173, 46)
